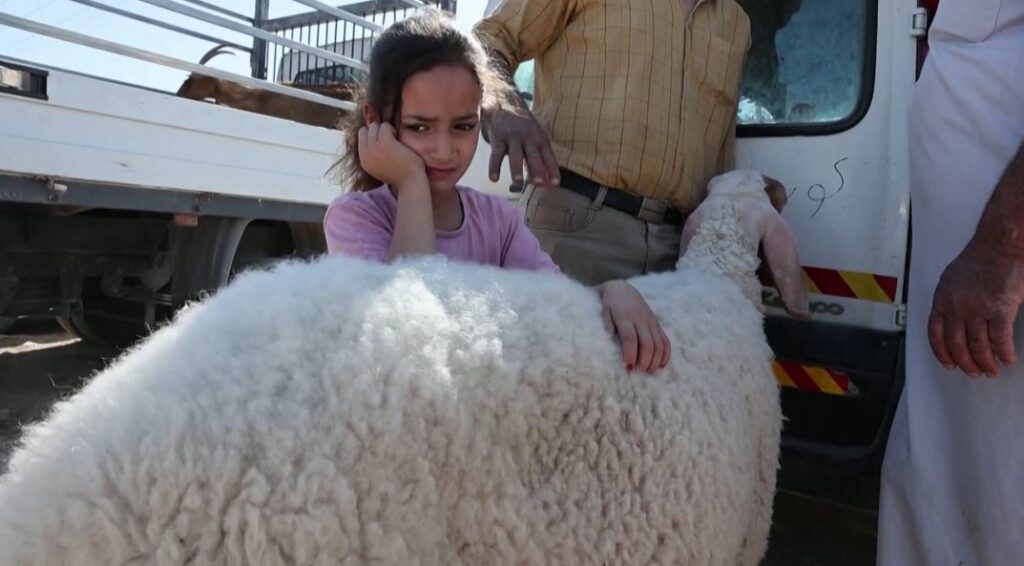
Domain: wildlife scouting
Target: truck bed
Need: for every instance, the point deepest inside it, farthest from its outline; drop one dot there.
(103, 132)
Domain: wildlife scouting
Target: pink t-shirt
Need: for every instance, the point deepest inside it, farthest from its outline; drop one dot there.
(492, 232)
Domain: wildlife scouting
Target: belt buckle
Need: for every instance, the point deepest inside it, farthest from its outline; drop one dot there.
(652, 210)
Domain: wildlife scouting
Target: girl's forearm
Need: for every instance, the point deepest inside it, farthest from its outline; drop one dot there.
(414, 222)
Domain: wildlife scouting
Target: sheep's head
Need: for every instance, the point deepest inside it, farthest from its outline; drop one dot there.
(727, 228)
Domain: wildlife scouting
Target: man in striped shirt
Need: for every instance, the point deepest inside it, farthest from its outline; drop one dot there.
(634, 111)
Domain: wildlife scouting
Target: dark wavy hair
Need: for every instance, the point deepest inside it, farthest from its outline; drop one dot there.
(426, 40)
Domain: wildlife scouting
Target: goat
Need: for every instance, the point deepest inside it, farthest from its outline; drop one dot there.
(241, 97)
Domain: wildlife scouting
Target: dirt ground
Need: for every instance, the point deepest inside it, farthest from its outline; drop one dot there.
(40, 364)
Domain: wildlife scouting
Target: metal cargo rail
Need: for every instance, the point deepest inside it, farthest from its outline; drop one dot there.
(324, 45)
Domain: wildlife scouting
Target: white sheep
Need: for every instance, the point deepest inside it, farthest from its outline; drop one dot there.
(429, 412)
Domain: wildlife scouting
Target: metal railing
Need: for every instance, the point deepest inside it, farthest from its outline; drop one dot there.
(350, 35)
(324, 45)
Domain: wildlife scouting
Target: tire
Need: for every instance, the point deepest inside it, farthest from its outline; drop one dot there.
(102, 331)
(203, 264)
(109, 321)
(207, 262)
(224, 247)
(218, 248)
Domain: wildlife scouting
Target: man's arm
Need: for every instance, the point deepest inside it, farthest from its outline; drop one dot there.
(519, 30)
(513, 131)
(523, 29)
(981, 291)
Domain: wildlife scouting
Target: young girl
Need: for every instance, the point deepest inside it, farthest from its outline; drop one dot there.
(406, 151)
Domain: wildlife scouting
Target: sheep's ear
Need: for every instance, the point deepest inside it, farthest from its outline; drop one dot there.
(776, 193)
(784, 262)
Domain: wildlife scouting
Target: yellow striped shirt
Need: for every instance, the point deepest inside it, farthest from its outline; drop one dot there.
(634, 94)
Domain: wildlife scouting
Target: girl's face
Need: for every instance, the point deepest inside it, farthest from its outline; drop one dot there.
(440, 121)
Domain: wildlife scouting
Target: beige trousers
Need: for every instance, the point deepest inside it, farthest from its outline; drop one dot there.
(593, 243)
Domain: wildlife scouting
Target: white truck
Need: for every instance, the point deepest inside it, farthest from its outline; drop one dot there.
(119, 203)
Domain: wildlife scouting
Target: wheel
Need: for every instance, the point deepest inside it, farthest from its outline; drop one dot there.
(206, 262)
(215, 251)
(109, 321)
(101, 330)
(224, 247)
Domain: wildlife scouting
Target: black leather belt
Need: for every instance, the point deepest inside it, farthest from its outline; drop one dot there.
(620, 200)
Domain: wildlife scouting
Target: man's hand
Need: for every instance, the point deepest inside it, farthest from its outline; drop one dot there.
(975, 305)
(515, 133)
(512, 131)
(645, 346)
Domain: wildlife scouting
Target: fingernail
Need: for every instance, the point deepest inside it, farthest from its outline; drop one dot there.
(556, 180)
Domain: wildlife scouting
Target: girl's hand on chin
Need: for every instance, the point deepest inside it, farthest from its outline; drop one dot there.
(387, 159)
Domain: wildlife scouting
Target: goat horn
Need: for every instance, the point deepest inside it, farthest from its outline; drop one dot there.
(217, 50)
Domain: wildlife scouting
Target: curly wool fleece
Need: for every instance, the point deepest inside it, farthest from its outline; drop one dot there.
(430, 412)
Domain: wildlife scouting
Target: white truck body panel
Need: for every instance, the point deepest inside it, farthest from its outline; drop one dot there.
(856, 218)
(100, 131)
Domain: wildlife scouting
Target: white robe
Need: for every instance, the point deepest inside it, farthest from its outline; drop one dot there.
(953, 478)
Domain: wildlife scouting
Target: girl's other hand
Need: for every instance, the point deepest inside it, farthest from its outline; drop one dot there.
(645, 346)
(387, 159)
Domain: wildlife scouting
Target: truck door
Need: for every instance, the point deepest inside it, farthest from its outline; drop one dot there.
(822, 108)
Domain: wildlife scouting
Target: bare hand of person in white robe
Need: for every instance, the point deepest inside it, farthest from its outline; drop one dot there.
(975, 304)
(980, 292)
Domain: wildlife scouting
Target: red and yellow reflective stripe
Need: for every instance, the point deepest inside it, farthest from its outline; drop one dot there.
(812, 378)
(852, 284)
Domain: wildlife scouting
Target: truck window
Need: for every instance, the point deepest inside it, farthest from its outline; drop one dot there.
(326, 75)
(524, 81)
(806, 61)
